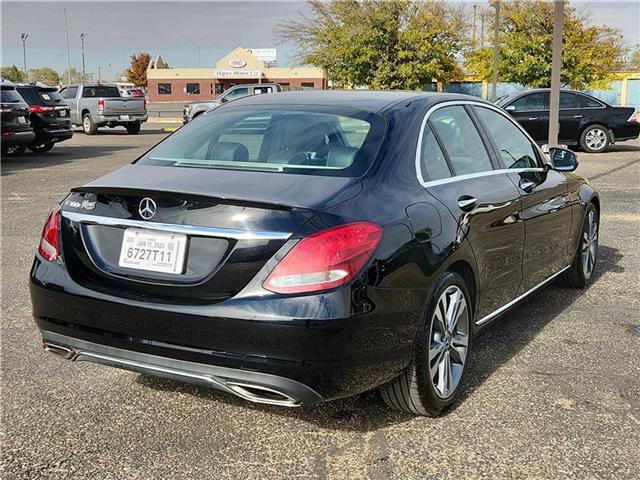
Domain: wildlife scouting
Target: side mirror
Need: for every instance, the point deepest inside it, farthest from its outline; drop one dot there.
(562, 159)
(511, 108)
(223, 100)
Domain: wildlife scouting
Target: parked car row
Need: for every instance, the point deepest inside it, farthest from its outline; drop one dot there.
(585, 121)
(36, 116)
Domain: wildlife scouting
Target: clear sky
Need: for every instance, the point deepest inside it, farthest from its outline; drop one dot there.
(174, 29)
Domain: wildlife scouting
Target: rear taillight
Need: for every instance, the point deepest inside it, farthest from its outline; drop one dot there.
(634, 118)
(101, 104)
(144, 104)
(325, 260)
(50, 242)
(40, 109)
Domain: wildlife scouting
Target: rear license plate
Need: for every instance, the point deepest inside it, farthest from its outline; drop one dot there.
(124, 117)
(153, 251)
(22, 120)
(63, 113)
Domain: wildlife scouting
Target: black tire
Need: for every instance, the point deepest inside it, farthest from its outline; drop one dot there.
(13, 150)
(595, 139)
(88, 126)
(578, 276)
(42, 148)
(133, 128)
(415, 391)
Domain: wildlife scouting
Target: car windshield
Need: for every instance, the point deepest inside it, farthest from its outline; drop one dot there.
(9, 95)
(320, 141)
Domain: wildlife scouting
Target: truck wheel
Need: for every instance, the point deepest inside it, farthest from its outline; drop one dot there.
(133, 128)
(88, 126)
(45, 147)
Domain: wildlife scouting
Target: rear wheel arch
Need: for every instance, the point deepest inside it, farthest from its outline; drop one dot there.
(464, 269)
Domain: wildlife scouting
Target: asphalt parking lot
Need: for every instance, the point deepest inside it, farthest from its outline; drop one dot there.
(553, 390)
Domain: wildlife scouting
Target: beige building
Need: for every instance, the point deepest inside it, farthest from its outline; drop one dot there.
(239, 66)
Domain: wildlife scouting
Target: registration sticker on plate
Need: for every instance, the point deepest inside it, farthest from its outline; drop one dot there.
(21, 119)
(153, 251)
(124, 117)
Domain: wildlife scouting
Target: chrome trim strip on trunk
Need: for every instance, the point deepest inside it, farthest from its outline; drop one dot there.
(505, 307)
(197, 230)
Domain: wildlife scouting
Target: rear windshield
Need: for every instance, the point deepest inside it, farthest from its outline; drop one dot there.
(100, 91)
(40, 96)
(320, 141)
(9, 95)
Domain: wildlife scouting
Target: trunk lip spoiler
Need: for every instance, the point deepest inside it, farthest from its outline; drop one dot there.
(196, 230)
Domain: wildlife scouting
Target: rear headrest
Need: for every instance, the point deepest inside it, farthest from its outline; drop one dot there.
(341, 157)
(230, 151)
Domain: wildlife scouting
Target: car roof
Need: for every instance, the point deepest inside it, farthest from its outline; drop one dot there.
(369, 100)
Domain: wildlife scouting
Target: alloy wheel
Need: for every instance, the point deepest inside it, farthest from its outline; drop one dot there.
(86, 124)
(596, 139)
(590, 244)
(449, 341)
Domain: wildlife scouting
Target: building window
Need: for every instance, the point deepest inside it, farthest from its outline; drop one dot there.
(193, 89)
(285, 86)
(308, 85)
(164, 89)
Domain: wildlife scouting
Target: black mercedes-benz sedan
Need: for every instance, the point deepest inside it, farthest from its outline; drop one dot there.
(585, 121)
(296, 248)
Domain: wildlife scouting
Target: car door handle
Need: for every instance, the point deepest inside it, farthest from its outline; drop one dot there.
(578, 116)
(527, 185)
(532, 118)
(466, 203)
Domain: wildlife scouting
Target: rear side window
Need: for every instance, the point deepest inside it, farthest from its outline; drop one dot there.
(534, 102)
(433, 164)
(326, 141)
(9, 95)
(461, 140)
(588, 102)
(100, 91)
(515, 149)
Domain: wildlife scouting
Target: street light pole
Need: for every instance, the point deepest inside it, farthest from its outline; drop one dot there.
(556, 67)
(66, 27)
(496, 48)
(24, 36)
(84, 73)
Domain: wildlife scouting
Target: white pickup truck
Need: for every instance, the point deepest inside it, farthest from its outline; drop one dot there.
(97, 105)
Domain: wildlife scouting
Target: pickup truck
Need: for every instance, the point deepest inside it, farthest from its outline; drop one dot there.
(97, 105)
(193, 109)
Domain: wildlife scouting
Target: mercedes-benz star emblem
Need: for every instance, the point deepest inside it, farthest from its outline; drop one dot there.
(147, 208)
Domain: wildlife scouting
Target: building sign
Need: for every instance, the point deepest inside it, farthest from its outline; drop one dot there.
(237, 62)
(267, 55)
(238, 73)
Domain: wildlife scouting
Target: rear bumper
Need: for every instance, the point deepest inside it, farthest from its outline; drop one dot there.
(630, 131)
(116, 120)
(304, 340)
(253, 386)
(55, 136)
(18, 138)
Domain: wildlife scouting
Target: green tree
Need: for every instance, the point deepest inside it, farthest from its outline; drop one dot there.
(137, 71)
(76, 76)
(45, 75)
(399, 44)
(590, 54)
(12, 73)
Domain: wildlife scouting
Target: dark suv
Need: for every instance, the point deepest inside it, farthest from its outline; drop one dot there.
(50, 116)
(16, 129)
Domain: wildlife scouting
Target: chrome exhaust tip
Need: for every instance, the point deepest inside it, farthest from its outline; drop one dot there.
(59, 350)
(261, 394)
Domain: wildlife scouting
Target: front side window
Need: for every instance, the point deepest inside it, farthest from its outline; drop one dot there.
(433, 164)
(322, 141)
(515, 149)
(237, 93)
(534, 102)
(193, 89)
(164, 89)
(461, 140)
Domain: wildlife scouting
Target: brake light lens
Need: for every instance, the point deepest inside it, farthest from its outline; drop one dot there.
(634, 118)
(325, 260)
(50, 242)
(101, 104)
(41, 109)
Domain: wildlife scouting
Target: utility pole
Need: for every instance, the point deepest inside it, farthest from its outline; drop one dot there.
(473, 35)
(99, 76)
(24, 36)
(482, 18)
(199, 63)
(84, 73)
(496, 48)
(66, 28)
(556, 67)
